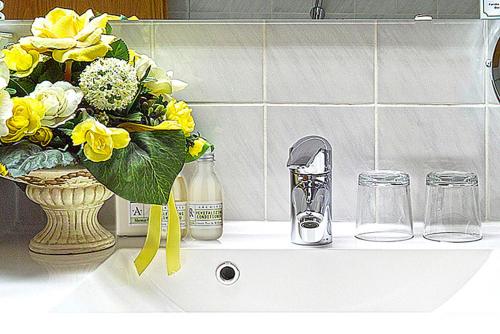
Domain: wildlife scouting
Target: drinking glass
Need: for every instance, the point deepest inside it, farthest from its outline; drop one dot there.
(452, 207)
(384, 206)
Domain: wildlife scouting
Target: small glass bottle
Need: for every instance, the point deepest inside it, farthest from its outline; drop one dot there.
(180, 195)
(205, 201)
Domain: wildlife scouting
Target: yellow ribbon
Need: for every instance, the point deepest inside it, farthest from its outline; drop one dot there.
(153, 237)
(173, 246)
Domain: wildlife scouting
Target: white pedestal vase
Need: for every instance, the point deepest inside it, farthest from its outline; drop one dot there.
(71, 199)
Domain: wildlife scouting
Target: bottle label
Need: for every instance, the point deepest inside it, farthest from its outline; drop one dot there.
(139, 214)
(205, 214)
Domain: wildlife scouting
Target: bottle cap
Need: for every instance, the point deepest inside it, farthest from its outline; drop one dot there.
(208, 156)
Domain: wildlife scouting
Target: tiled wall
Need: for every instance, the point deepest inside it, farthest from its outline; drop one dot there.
(299, 9)
(403, 95)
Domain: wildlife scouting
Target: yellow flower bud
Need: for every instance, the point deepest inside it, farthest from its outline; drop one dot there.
(197, 147)
(27, 114)
(20, 61)
(42, 136)
(98, 140)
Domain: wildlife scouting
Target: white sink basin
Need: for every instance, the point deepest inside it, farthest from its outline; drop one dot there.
(349, 275)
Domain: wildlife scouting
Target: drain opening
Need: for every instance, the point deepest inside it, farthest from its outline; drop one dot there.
(227, 273)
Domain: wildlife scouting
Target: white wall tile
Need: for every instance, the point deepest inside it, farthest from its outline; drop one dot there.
(301, 6)
(350, 131)
(228, 15)
(375, 8)
(178, 15)
(494, 162)
(178, 5)
(419, 140)
(238, 135)
(221, 62)
(458, 9)
(430, 63)
(428, 7)
(137, 35)
(17, 28)
(320, 63)
(241, 6)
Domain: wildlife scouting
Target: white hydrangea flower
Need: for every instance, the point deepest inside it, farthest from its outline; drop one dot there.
(6, 104)
(60, 99)
(109, 84)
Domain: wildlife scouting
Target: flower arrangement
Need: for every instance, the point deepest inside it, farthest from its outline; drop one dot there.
(74, 94)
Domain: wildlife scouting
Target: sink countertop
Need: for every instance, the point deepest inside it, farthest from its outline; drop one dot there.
(34, 282)
(276, 235)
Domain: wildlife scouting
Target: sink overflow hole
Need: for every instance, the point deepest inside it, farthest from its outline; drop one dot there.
(227, 273)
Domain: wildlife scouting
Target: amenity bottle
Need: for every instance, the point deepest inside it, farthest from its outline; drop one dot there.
(205, 201)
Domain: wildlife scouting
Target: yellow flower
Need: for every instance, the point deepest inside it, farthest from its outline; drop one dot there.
(20, 61)
(99, 141)
(27, 114)
(70, 36)
(3, 170)
(197, 147)
(42, 136)
(181, 113)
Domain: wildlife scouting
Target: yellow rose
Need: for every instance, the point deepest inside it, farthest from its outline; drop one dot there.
(27, 114)
(3, 170)
(20, 61)
(197, 147)
(42, 136)
(99, 141)
(70, 36)
(181, 113)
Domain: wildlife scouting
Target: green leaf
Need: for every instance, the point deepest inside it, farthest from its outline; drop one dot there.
(11, 91)
(25, 157)
(135, 117)
(119, 50)
(51, 71)
(22, 86)
(108, 29)
(144, 171)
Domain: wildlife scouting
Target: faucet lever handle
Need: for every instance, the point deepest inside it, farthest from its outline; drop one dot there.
(310, 155)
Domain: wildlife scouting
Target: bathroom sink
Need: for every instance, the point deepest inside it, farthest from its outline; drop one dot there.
(347, 276)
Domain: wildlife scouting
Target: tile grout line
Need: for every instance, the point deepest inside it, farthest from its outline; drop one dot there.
(264, 99)
(375, 96)
(152, 40)
(344, 105)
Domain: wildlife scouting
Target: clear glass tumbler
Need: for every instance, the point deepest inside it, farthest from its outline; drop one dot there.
(384, 206)
(452, 207)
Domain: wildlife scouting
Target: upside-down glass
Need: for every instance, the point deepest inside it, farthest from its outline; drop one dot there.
(452, 207)
(384, 206)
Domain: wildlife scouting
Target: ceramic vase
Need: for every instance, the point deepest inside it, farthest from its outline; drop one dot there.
(71, 199)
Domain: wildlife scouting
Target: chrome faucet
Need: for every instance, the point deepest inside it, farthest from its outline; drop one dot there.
(310, 164)
(317, 12)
